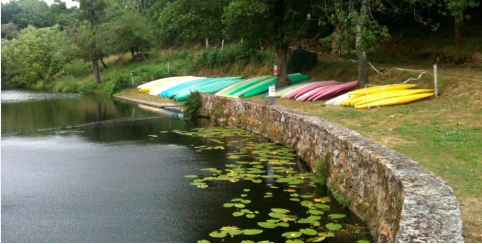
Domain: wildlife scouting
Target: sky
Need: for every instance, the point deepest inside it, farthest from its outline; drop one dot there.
(69, 3)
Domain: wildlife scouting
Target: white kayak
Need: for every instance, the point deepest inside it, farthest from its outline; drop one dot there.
(156, 91)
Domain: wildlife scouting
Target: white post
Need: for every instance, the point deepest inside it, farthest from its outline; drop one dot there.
(435, 79)
(241, 40)
(207, 43)
(132, 79)
(168, 64)
(222, 45)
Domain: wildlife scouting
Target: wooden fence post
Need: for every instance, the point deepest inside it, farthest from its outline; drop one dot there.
(435, 79)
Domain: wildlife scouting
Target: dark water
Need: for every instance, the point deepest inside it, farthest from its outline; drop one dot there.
(116, 183)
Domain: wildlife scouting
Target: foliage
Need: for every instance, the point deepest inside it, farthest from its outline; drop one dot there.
(301, 61)
(193, 103)
(232, 54)
(39, 55)
(193, 20)
(9, 31)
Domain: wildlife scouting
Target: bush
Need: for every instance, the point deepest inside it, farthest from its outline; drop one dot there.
(78, 68)
(193, 103)
(231, 54)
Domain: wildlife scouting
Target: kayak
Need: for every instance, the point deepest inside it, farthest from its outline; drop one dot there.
(396, 100)
(206, 86)
(332, 91)
(154, 82)
(309, 94)
(294, 90)
(379, 96)
(238, 87)
(280, 92)
(209, 89)
(174, 89)
(158, 83)
(264, 85)
(337, 99)
(377, 89)
(158, 89)
(311, 87)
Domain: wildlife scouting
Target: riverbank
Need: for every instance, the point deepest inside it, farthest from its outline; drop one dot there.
(442, 134)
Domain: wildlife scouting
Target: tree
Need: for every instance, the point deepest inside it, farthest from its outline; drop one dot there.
(358, 21)
(266, 21)
(9, 10)
(9, 31)
(93, 12)
(457, 8)
(193, 20)
(32, 12)
(36, 57)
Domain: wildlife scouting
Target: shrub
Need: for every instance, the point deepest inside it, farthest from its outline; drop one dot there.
(193, 103)
(301, 61)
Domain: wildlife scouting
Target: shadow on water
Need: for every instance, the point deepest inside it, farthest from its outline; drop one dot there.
(124, 182)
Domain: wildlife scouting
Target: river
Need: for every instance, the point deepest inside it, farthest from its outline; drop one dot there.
(124, 182)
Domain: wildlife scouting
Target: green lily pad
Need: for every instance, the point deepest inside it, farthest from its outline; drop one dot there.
(250, 216)
(304, 221)
(273, 220)
(309, 231)
(252, 231)
(237, 214)
(307, 196)
(265, 242)
(244, 195)
(332, 226)
(246, 190)
(306, 203)
(280, 210)
(217, 234)
(245, 210)
(267, 225)
(203, 241)
(231, 165)
(237, 200)
(363, 241)
(257, 181)
(239, 205)
(276, 215)
(295, 241)
(190, 176)
(294, 195)
(316, 212)
(248, 241)
(295, 199)
(291, 234)
(246, 201)
(314, 217)
(322, 206)
(283, 224)
(336, 216)
(228, 205)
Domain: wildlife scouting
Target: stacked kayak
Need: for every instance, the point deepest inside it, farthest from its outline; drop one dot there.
(234, 89)
(156, 91)
(175, 89)
(148, 86)
(381, 96)
(333, 91)
(264, 86)
(280, 92)
(209, 88)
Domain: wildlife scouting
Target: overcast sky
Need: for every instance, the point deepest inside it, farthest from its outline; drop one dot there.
(69, 3)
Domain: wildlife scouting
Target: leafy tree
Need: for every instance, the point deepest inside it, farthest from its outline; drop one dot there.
(9, 31)
(9, 10)
(267, 21)
(456, 9)
(358, 21)
(36, 57)
(193, 20)
(32, 12)
(87, 35)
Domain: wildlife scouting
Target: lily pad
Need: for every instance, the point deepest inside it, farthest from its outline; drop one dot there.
(363, 241)
(228, 205)
(332, 226)
(306, 203)
(248, 241)
(217, 234)
(307, 196)
(309, 231)
(280, 210)
(283, 224)
(336, 216)
(267, 225)
(190, 176)
(322, 206)
(315, 212)
(246, 201)
(244, 195)
(203, 241)
(257, 181)
(246, 190)
(239, 205)
(237, 214)
(252, 231)
(276, 215)
(250, 216)
(295, 199)
(295, 241)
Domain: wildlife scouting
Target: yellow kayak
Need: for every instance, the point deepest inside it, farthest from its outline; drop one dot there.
(347, 101)
(148, 87)
(395, 93)
(377, 89)
(396, 100)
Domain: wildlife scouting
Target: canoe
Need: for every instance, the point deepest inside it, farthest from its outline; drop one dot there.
(174, 89)
(158, 83)
(235, 88)
(396, 100)
(312, 87)
(377, 89)
(309, 94)
(295, 89)
(281, 91)
(208, 87)
(379, 96)
(337, 99)
(264, 86)
(158, 89)
(332, 91)
(154, 82)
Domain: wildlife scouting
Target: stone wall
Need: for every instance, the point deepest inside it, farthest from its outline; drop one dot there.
(398, 199)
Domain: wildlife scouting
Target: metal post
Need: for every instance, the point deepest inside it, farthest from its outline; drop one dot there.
(222, 45)
(132, 79)
(435, 79)
(207, 43)
(168, 66)
(272, 95)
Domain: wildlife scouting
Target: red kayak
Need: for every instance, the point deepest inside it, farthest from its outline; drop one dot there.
(311, 87)
(332, 91)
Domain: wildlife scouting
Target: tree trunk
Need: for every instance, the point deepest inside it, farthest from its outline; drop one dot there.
(132, 52)
(360, 52)
(281, 58)
(103, 64)
(459, 29)
(95, 63)
(281, 43)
